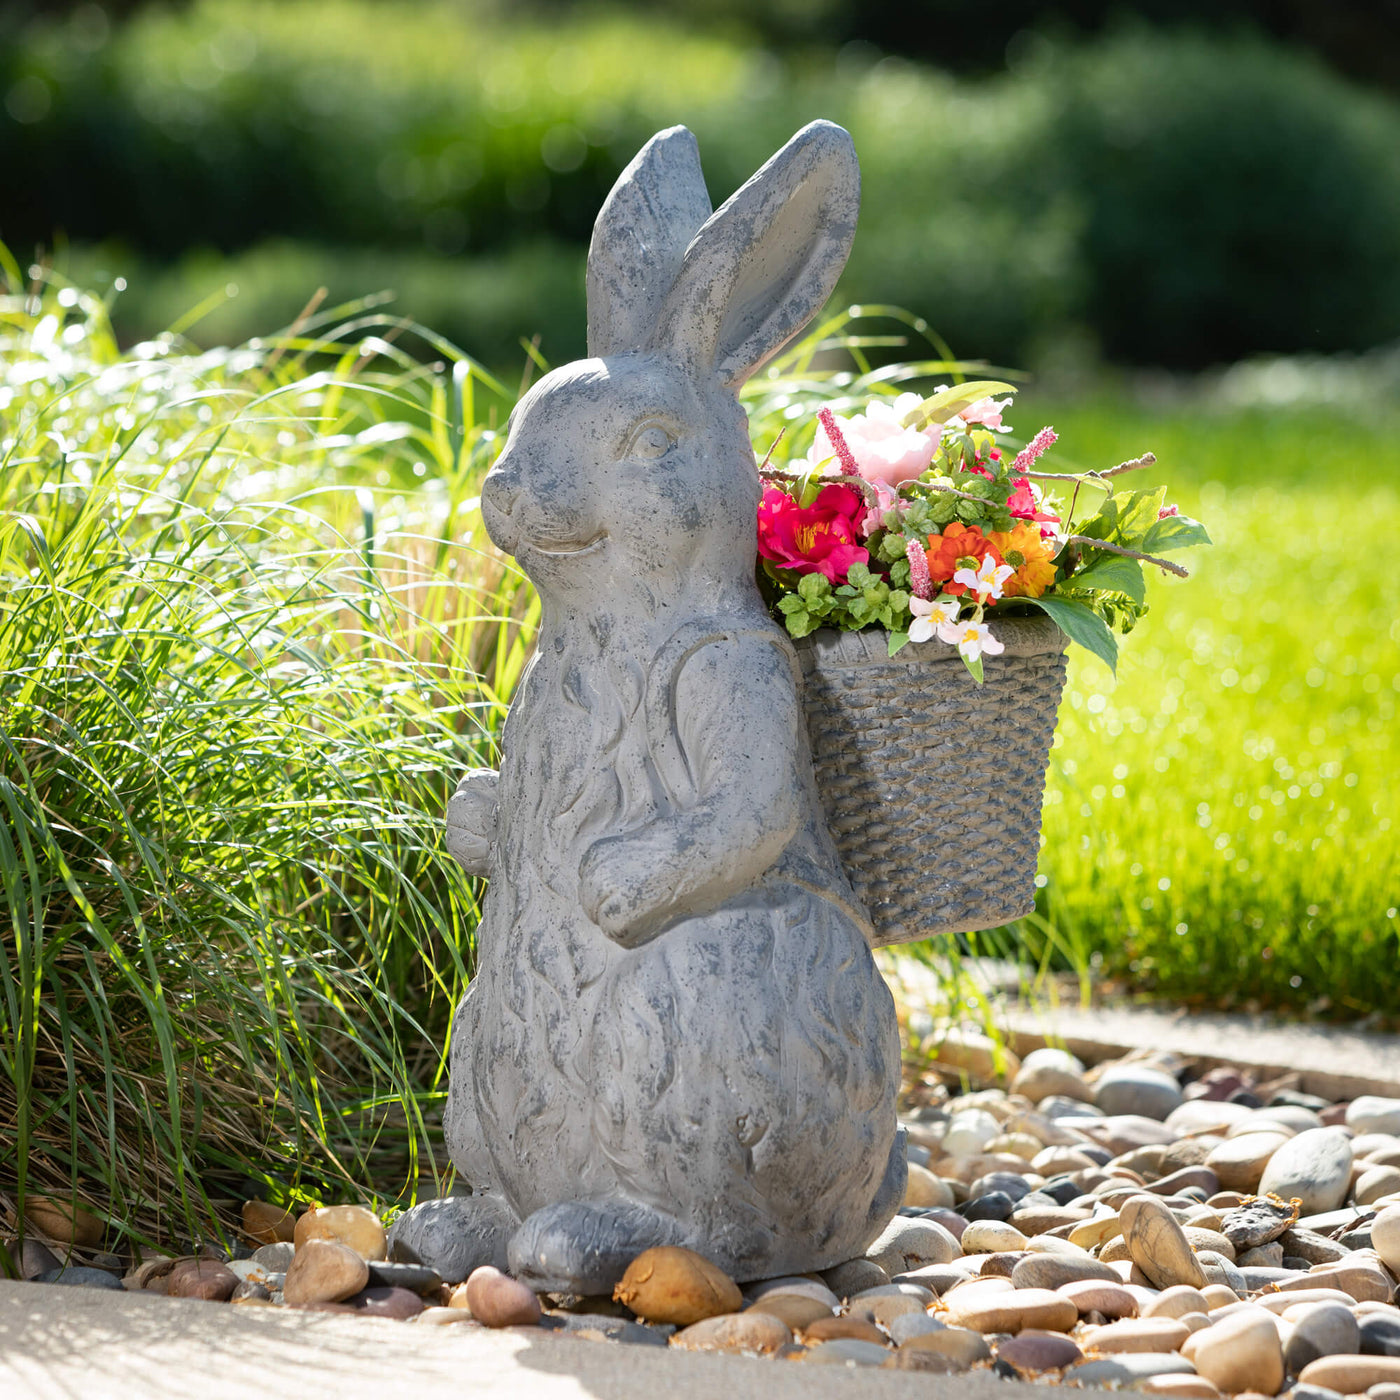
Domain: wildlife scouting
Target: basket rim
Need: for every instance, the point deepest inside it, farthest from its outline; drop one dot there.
(830, 649)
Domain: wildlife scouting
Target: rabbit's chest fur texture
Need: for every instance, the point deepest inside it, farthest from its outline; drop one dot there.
(691, 1068)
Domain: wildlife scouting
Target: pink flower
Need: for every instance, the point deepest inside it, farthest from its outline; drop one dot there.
(1023, 504)
(1168, 510)
(874, 517)
(883, 449)
(920, 582)
(815, 539)
(1041, 442)
(987, 412)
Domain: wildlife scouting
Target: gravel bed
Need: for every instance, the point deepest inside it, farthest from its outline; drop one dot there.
(1123, 1226)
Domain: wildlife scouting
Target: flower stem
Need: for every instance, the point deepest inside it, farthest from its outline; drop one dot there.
(1090, 543)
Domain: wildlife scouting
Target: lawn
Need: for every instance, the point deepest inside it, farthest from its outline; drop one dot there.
(1220, 822)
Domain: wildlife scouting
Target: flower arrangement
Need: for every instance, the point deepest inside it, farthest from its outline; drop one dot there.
(916, 515)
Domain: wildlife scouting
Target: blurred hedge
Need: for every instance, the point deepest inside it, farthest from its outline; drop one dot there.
(1188, 199)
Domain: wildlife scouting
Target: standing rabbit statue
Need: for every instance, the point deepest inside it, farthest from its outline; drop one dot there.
(676, 1033)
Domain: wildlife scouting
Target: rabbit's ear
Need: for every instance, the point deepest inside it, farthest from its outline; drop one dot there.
(767, 259)
(640, 238)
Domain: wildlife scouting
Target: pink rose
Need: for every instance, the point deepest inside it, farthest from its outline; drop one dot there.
(987, 412)
(885, 451)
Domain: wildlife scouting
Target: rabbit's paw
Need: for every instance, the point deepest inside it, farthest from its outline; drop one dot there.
(619, 891)
(584, 1247)
(471, 820)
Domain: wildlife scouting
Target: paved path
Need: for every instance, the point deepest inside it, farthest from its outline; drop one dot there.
(60, 1343)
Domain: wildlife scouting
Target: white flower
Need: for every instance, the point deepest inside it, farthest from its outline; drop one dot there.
(985, 580)
(972, 638)
(931, 618)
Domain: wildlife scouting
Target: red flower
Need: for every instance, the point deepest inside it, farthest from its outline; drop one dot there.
(1022, 503)
(958, 541)
(819, 538)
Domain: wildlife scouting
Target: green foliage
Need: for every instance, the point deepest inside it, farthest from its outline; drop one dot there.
(1187, 199)
(241, 663)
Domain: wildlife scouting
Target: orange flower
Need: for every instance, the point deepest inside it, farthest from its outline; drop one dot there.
(958, 541)
(1036, 572)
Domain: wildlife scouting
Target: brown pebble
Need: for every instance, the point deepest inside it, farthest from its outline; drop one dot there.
(1098, 1296)
(828, 1329)
(356, 1227)
(962, 1347)
(397, 1303)
(1351, 1373)
(792, 1309)
(748, 1331)
(267, 1223)
(1019, 1308)
(64, 1221)
(671, 1284)
(250, 1290)
(206, 1279)
(324, 1271)
(457, 1297)
(1138, 1334)
(1039, 1351)
(496, 1300)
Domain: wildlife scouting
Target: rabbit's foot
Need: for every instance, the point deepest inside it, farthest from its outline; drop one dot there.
(585, 1247)
(622, 891)
(471, 820)
(454, 1234)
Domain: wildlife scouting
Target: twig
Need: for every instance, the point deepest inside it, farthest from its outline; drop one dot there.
(763, 467)
(1148, 459)
(1090, 543)
(953, 491)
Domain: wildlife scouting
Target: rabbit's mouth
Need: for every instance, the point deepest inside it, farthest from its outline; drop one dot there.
(562, 550)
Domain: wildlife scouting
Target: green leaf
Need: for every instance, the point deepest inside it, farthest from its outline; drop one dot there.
(859, 575)
(1125, 519)
(800, 624)
(1115, 574)
(792, 603)
(898, 641)
(974, 668)
(814, 587)
(1174, 532)
(947, 403)
(1080, 623)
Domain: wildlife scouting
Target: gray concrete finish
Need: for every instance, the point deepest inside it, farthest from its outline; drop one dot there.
(676, 1034)
(79, 1344)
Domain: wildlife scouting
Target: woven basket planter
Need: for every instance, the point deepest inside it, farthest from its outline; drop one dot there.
(932, 785)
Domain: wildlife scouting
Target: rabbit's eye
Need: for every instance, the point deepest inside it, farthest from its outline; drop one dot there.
(650, 442)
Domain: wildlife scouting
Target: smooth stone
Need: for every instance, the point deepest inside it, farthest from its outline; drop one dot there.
(65, 1222)
(267, 1223)
(356, 1227)
(1039, 1351)
(1349, 1374)
(1380, 1335)
(1001, 1265)
(885, 1308)
(906, 1244)
(919, 1324)
(275, 1258)
(441, 1317)
(1053, 1161)
(1219, 1295)
(969, 1132)
(1037, 1308)
(792, 1309)
(454, 1235)
(79, 1276)
(995, 1205)
(1319, 1329)
(248, 1268)
(998, 1183)
(1315, 1167)
(925, 1190)
(854, 1276)
(1386, 1390)
(1313, 1392)
(1373, 1114)
(1052, 1271)
(1201, 1177)
(976, 1057)
(962, 1347)
(1284, 1304)
(1364, 1282)
(846, 1351)
(1158, 1245)
(940, 1278)
(1239, 1162)
(1240, 1352)
(991, 1237)
(1376, 1184)
(202, 1278)
(754, 1331)
(1197, 1116)
(1176, 1302)
(1309, 1245)
(798, 1286)
(1137, 1089)
(1257, 1222)
(1385, 1237)
(1129, 1367)
(1138, 1334)
(1050, 1071)
(251, 1290)
(1109, 1300)
(1357, 1239)
(1182, 1387)
(951, 1220)
(915, 1155)
(1124, 1132)
(1098, 1230)
(417, 1278)
(605, 1327)
(1037, 1220)
(324, 1271)
(1209, 1241)
(1221, 1271)
(379, 1301)
(830, 1329)
(1262, 1256)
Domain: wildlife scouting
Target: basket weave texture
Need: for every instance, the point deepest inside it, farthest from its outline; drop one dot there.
(932, 785)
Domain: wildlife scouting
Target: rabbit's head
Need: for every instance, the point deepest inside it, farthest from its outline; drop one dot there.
(636, 463)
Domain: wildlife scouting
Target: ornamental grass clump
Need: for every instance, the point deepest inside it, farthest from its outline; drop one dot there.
(915, 514)
(233, 699)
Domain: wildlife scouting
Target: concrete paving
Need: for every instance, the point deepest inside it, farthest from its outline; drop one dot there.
(59, 1343)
